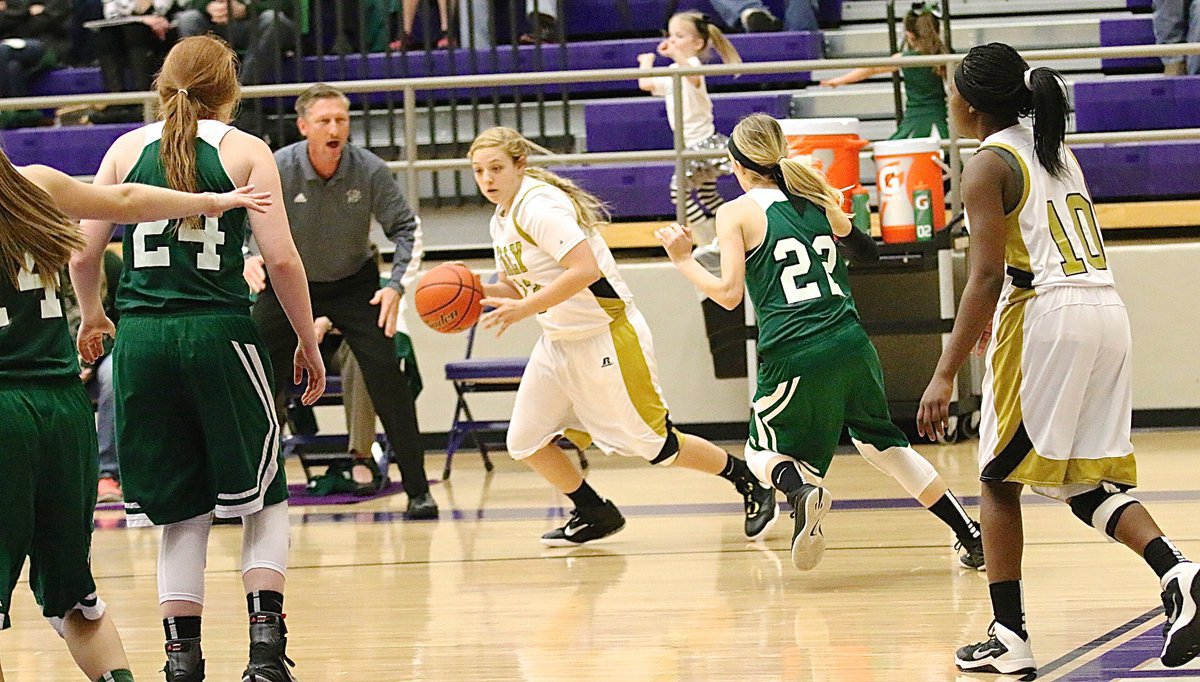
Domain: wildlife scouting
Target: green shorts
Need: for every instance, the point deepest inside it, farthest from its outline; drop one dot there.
(196, 424)
(799, 409)
(48, 479)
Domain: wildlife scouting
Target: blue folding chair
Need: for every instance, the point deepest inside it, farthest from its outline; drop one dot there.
(484, 375)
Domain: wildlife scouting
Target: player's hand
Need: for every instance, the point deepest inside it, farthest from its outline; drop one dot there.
(504, 313)
(934, 413)
(985, 338)
(309, 360)
(676, 239)
(91, 337)
(254, 271)
(242, 197)
(388, 300)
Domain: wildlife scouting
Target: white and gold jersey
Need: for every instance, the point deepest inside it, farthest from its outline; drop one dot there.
(539, 230)
(1053, 238)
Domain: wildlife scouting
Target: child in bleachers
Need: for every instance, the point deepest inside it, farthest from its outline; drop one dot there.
(924, 86)
(689, 37)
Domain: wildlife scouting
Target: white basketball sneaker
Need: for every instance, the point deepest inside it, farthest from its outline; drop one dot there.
(1004, 652)
(810, 504)
(1181, 632)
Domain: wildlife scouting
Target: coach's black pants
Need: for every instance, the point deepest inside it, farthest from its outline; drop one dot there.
(347, 303)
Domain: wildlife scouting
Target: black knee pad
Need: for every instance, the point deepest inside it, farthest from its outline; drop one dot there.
(669, 449)
(1102, 508)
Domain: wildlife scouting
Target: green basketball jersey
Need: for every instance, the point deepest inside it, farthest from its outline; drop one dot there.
(34, 341)
(174, 269)
(797, 281)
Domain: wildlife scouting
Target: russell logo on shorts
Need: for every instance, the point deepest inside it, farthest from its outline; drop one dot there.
(606, 362)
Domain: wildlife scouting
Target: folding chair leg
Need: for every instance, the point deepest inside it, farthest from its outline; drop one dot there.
(487, 461)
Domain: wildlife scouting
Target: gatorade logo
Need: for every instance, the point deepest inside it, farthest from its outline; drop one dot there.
(891, 180)
(922, 201)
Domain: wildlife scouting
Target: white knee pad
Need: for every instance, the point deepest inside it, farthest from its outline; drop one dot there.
(265, 539)
(912, 471)
(182, 557)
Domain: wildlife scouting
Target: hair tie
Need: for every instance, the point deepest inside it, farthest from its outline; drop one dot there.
(1029, 79)
(182, 91)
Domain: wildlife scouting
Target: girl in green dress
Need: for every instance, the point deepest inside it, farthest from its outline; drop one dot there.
(924, 86)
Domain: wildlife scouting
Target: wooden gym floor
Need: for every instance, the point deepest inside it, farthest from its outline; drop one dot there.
(677, 595)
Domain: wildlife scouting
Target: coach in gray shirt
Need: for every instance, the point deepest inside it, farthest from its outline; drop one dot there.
(332, 189)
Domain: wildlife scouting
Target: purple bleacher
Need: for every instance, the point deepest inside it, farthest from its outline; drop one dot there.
(584, 55)
(614, 126)
(1140, 170)
(602, 54)
(70, 81)
(1139, 4)
(75, 150)
(1151, 103)
(1128, 31)
(638, 190)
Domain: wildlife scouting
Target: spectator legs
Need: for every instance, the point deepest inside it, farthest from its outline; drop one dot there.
(16, 65)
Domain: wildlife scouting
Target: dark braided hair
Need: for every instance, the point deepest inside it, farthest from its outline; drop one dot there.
(992, 78)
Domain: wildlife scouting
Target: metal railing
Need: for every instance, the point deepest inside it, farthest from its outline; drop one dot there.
(412, 166)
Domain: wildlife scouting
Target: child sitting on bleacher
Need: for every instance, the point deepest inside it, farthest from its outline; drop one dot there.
(924, 86)
(689, 37)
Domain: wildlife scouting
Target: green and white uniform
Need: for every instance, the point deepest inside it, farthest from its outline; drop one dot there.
(817, 369)
(47, 453)
(196, 430)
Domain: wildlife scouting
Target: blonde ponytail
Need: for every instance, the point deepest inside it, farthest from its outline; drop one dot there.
(590, 211)
(32, 225)
(712, 36)
(761, 140)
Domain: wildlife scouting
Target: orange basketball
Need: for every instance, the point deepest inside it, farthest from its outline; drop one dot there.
(448, 298)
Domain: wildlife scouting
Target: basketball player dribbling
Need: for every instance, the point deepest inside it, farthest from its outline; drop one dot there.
(592, 376)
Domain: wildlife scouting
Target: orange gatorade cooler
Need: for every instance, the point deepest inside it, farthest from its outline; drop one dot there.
(903, 166)
(832, 144)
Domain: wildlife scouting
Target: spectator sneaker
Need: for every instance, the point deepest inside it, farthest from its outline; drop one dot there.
(543, 28)
(1181, 632)
(109, 490)
(1004, 653)
(810, 504)
(585, 525)
(759, 21)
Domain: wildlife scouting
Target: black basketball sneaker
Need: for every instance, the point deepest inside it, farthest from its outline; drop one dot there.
(1181, 592)
(185, 661)
(585, 525)
(970, 552)
(761, 508)
(268, 650)
(1004, 653)
(810, 504)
